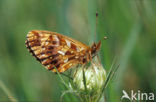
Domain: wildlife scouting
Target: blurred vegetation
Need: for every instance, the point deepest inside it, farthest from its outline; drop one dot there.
(129, 25)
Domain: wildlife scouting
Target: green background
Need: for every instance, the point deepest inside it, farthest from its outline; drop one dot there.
(130, 26)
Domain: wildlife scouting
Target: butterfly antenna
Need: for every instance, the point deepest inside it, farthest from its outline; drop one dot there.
(105, 37)
(96, 24)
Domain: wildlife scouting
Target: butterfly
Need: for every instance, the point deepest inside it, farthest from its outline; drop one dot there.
(58, 52)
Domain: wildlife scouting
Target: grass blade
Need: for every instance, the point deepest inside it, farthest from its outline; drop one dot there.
(7, 92)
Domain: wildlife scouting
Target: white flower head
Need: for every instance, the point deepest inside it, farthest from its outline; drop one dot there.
(94, 75)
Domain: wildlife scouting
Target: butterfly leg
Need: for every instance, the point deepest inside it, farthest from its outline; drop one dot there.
(76, 70)
(98, 58)
(68, 76)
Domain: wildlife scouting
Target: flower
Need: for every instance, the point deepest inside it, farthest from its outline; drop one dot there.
(88, 81)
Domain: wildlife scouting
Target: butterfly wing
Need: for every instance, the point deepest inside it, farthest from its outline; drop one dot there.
(55, 50)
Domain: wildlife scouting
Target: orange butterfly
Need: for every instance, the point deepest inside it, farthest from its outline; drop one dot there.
(54, 50)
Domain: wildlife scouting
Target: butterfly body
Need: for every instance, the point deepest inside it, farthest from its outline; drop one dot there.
(52, 50)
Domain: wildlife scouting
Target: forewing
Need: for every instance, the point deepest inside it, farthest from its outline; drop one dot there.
(54, 50)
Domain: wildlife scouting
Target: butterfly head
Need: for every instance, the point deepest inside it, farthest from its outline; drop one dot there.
(95, 48)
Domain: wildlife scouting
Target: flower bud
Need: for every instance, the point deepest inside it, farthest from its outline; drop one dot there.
(89, 80)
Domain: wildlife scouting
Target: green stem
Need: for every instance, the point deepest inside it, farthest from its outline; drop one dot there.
(7, 92)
